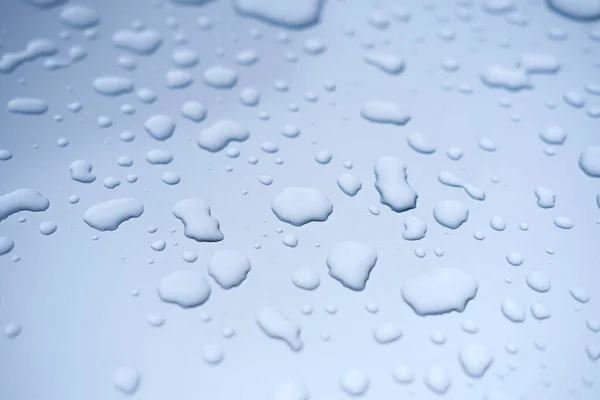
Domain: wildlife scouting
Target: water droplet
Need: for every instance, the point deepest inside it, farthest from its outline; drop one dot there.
(475, 360)
(277, 326)
(126, 379)
(306, 279)
(354, 382)
(512, 311)
(414, 228)
(451, 213)
(437, 379)
(300, 205)
(454, 288)
(387, 333)
(384, 113)
(184, 288)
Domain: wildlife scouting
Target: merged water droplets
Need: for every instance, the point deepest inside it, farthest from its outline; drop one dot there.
(109, 215)
(220, 134)
(197, 220)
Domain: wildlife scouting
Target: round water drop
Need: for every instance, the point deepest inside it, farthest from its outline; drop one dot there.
(514, 258)
(454, 153)
(12, 330)
(247, 58)
(184, 288)
(306, 279)
(323, 157)
(281, 86)
(538, 281)
(189, 256)
(5, 155)
(438, 337)
(6, 245)
(47, 228)
(158, 156)
(371, 307)
(579, 294)
(512, 311)
(589, 161)
(178, 79)
(290, 131)
(313, 46)
(159, 245)
(451, 213)
(574, 99)
(193, 111)
(269, 147)
(497, 223)
(126, 379)
(249, 97)
(127, 136)
(403, 375)
(79, 16)
(125, 161)
(212, 354)
(419, 143)
(265, 180)
(563, 222)
(160, 126)
(487, 145)
(104, 121)
(170, 178)
(185, 58)
(156, 320)
(553, 135)
(220, 77)
(593, 325)
(539, 312)
(232, 152)
(469, 326)
(437, 379)
(146, 96)
(291, 390)
(387, 333)
(577, 9)
(420, 252)
(354, 382)
(290, 240)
